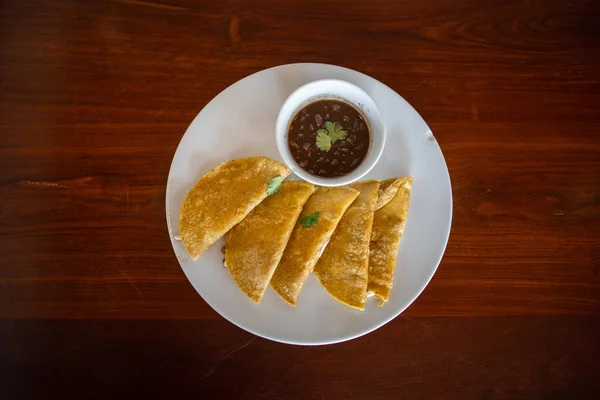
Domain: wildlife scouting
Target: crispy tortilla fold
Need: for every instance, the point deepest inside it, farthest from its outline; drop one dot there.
(387, 191)
(388, 227)
(306, 243)
(344, 265)
(222, 198)
(254, 247)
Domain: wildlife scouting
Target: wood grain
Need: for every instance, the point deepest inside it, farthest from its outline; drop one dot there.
(95, 96)
(423, 358)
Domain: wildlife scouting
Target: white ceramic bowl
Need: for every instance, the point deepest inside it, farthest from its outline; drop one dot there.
(331, 89)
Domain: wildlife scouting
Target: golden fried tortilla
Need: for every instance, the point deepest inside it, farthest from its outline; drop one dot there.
(387, 191)
(254, 247)
(388, 227)
(222, 198)
(344, 265)
(307, 242)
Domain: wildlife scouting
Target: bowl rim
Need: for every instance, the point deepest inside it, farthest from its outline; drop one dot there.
(283, 120)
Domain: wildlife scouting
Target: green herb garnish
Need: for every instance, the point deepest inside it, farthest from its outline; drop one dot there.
(327, 136)
(323, 140)
(309, 220)
(274, 185)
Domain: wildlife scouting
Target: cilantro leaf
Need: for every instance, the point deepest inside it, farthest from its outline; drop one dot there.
(336, 131)
(310, 220)
(273, 185)
(323, 140)
(333, 132)
(329, 126)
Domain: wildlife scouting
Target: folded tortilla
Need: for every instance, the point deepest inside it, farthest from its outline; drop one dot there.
(388, 227)
(254, 247)
(387, 191)
(306, 243)
(222, 198)
(344, 265)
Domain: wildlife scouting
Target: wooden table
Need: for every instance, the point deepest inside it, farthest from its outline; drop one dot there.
(95, 96)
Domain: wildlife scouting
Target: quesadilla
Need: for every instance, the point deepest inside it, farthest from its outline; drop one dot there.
(254, 247)
(222, 198)
(344, 265)
(388, 227)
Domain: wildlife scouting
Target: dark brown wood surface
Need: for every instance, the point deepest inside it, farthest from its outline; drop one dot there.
(95, 96)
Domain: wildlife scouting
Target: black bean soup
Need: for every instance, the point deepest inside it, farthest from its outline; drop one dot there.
(329, 138)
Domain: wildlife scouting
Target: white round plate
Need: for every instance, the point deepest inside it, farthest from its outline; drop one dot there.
(240, 122)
